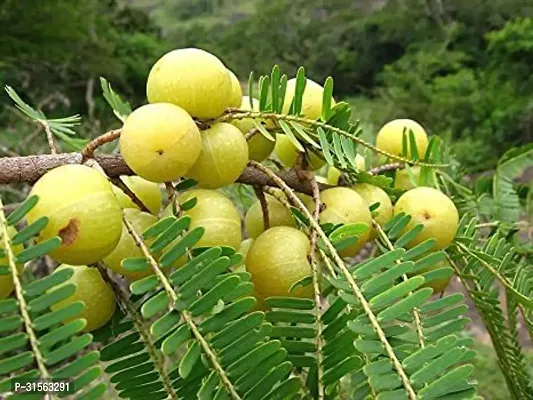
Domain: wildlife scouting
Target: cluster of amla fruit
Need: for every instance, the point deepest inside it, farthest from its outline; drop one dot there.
(162, 142)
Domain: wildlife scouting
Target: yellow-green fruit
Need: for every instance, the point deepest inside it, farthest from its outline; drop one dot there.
(217, 215)
(259, 147)
(333, 175)
(402, 180)
(193, 79)
(97, 295)
(360, 162)
(307, 200)
(160, 142)
(288, 153)
(236, 91)
(373, 194)
(434, 210)
(346, 206)
(277, 260)
(6, 281)
(127, 248)
(223, 157)
(82, 210)
(243, 249)
(277, 213)
(390, 137)
(311, 99)
(147, 192)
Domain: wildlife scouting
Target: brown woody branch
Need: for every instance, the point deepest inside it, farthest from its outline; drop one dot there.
(31, 168)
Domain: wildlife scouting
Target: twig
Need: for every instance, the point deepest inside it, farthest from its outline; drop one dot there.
(264, 207)
(348, 276)
(122, 186)
(107, 137)
(49, 136)
(173, 199)
(251, 133)
(385, 168)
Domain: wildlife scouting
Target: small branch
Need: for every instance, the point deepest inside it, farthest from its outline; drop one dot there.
(386, 168)
(173, 199)
(122, 186)
(264, 207)
(416, 314)
(348, 276)
(152, 350)
(88, 151)
(186, 316)
(31, 168)
(49, 136)
(316, 286)
(251, 133)
(34, 341)
(242, 114)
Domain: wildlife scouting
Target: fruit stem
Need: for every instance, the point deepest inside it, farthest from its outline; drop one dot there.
(173, 199)
(88, 151)
(23, 306)
(129, 310)
(340, 264)
(416, 315)
(242, 114)
(264, 207)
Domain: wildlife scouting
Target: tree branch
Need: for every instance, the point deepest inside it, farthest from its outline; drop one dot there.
(31, 168)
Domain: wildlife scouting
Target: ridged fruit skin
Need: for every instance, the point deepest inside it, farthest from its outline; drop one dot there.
(236, 91)
(288, 154)
(276, 260)
(402, 180)
(160, 142)
(390, 137)
(259, 147)
(193, 79)
(346, 206)
(216, 214)
(6, 281)
(433, 209)
(373, 194)
(311, 99)
(126, 247)
(223, 157)
(99, 299)
(82, 210)
(147, 192)
(278, 214)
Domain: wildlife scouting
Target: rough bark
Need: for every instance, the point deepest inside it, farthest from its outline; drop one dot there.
(31, 168)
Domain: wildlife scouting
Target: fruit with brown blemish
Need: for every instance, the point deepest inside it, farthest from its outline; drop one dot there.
(127, 248)
(160, 142)
(223, 156)
(346, 206)
(93, 291)
(278, 215)
(434, 210)
(147, 192)
(6, 281)
(277, 260)
(82, 210)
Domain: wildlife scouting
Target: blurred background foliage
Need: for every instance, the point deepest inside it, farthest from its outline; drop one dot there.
(460, 67)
